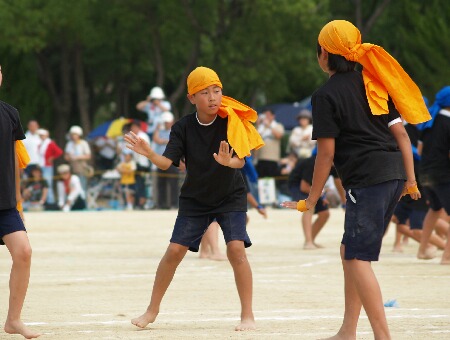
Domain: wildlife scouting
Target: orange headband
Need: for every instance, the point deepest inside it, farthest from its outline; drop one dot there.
(383, 76)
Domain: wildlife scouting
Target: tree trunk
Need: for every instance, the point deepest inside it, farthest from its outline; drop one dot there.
(82, 92)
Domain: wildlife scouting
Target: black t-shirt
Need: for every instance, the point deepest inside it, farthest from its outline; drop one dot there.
(36, 188)
(208, 187)
(304, 170)
(10, 131)
(435, 161)
(366, 152)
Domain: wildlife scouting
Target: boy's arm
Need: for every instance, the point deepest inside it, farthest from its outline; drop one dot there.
(225, 157)
(17, 181)
(137, 144)
(404, 144)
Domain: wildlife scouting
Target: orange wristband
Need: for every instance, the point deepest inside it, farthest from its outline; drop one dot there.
(301, 206)
(412, 190)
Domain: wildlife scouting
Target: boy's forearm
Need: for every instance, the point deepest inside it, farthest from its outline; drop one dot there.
(322, 167)
(160, 161)
(236, 163)
(404, 144)
(17, 177)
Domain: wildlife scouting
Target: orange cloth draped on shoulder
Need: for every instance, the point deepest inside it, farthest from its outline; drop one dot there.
(382, 74)
(242, 135)
(24, 159)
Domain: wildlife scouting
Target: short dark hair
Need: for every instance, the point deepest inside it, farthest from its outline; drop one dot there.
(337, 62)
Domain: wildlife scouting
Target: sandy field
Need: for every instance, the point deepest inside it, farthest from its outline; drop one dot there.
(93, 271)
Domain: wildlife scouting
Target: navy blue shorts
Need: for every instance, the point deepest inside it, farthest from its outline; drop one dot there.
(367, 215)
(188, 230)
(298, 195)
(404, 212)
(10, 222)
(439, 196)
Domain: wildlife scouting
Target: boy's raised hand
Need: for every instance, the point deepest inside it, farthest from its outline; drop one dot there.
(137, 144)
(224, 155)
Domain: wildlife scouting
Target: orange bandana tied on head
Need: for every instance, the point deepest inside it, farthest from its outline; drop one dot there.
(241, 134)
(382, 74)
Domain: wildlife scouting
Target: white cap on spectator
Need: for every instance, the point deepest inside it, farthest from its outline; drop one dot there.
(42, 132)
(63, 168)
(167, 117)
(76, 130)
(156, 93)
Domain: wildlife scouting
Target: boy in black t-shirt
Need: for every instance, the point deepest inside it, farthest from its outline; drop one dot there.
(359, 129)
(213, 187)
(435, 169)
(12, 229)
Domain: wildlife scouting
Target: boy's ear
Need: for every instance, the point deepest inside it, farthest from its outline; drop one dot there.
(191, 98)
(324, 53)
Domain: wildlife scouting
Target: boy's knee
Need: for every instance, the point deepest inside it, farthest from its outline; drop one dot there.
(175, 252)
(236, 252)
(22, 255)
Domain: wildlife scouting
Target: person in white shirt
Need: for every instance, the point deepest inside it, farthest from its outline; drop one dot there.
(154, 106)
(300, 141)
(32, 143)
(106, 150)
(71, 195)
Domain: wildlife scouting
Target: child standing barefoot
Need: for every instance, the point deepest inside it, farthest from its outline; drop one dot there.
(358, 127)
(213, 188)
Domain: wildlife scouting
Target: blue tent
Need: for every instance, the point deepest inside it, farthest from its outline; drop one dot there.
(286, 113)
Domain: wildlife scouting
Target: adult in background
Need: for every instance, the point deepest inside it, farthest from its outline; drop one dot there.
(78, 153)
(300, 141)
(167, 181)
(32, 142)
(154, 106)
(12, 229)
(142, 168)
(269, 156)
(71, 195)
(105, 148)
(48, 151)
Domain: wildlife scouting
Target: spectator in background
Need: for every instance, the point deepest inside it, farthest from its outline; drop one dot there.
(167, 180)
(269, 156)
(71, 195)
(78, 153)
(300, 141)
(35, 190)
(154, 106)
(105, 148)
(142, 167)
(32, 142)
(48, 151)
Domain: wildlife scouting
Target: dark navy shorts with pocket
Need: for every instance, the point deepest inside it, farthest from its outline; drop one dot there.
(367, 215)
(439, 196)
(10, 222)
(188, 230)
(405, 212)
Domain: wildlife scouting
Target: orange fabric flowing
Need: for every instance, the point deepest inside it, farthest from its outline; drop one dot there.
(242, 135)
(382, 74)
(24, 159)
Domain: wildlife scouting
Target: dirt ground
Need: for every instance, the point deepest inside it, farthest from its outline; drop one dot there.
(93, 271)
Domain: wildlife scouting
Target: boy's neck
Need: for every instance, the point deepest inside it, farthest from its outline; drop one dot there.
(205, 119)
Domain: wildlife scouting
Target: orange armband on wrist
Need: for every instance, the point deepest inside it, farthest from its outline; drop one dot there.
(301, 206)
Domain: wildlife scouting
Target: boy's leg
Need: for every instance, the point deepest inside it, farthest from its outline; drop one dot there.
(322, 218)
(164, 275)
(446, 255)
(428, 226)
(244, 283)
(213, 235)
(20, 249)
(307, 217)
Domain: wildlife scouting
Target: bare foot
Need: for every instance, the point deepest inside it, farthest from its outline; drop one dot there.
(318, 245)
(340, 337)
(217, 257)
(203, 256)
(309, 246)
(144, 319)
(246, 325)
(445, 260)
(397, 249)
(428, 254)
(18, 327)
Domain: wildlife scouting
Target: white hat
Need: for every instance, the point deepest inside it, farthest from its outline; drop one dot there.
(157, 93)
(76, 130)
(63, 168)
(42, 132)
(167, 117)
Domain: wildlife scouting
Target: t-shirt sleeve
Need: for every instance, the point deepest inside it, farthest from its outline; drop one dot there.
(324, 122)
(175, 148)
(18, 130)
(393, 115)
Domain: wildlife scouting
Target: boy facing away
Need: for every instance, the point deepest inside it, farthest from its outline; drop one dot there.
(357, 125)
(12, 229)
(213, 188)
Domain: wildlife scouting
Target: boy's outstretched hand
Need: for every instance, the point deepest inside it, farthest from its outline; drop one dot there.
(301, 206)
(137, 144)
(224, 155)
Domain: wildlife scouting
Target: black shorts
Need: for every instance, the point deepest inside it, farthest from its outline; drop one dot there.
(188, 230)
(439, 196)
(405, 212)
(368, 213)
(10, 222)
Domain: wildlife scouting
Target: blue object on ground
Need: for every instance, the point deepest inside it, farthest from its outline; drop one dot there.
(391, 303)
